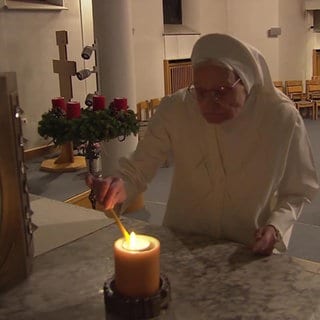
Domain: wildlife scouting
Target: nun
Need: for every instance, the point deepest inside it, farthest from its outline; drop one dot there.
(243, 165)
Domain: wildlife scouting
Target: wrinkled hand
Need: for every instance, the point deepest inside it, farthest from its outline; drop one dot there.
(109, 191)
(265, 239)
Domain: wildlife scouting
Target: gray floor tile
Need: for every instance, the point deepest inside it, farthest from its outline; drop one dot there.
(305, 242)
(311, 213)
(152, 213)
(158, 190)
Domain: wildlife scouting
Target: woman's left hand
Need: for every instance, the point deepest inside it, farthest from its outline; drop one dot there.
(265, 239)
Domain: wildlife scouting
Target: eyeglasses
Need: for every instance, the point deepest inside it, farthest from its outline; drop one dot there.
(214, 94)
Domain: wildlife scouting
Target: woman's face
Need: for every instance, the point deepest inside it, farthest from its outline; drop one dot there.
(219, 92)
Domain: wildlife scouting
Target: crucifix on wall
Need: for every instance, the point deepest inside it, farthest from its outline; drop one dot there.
(64, 68)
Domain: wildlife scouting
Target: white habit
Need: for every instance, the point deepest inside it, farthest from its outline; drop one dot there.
(229, 179)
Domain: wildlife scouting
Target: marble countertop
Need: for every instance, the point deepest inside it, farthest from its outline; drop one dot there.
(209, 280)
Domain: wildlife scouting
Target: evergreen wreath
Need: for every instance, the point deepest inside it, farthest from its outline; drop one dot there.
(91, 126)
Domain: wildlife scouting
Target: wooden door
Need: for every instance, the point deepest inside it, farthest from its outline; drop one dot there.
(316, 63)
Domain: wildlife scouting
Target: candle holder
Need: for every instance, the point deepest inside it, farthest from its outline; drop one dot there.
(93, 161)
(136, 308)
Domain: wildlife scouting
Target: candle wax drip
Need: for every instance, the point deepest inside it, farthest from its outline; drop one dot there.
(136, 243)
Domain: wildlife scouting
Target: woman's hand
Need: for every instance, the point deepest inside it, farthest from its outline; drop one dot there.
(265, 239)
(109, 191)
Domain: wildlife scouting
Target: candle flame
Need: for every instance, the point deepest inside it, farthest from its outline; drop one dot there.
(136, 242)
(133, 240)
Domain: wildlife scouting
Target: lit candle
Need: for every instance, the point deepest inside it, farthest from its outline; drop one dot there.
(137, 265)
(58, 102)
(98, 103)
(73, 109)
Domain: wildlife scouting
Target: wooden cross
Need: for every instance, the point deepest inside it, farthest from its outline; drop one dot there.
(66, 69)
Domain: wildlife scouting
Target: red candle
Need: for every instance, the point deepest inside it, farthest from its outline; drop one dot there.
(98, 102)
(58, 102)
(120, 103)
(73, 109)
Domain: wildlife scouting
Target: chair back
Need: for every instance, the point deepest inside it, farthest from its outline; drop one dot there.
(294, 90)
(153, 104)
(143, 113)
(313, 89)
(278, 85)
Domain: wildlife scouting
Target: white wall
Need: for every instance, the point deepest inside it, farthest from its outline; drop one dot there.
(148, 48)
(295, 53)
(191, 14)
(250, 22)
(87, 40)
(213, 16)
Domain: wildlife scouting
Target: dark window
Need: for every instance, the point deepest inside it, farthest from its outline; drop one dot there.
(172, 13)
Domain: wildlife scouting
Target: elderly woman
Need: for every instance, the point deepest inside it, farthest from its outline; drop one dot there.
(243, 166)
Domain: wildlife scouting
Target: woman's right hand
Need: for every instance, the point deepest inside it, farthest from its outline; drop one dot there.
(109, 191)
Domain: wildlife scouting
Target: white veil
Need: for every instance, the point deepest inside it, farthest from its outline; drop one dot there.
(246, 61)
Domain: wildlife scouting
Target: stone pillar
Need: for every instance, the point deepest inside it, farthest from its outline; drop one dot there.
(113, 34)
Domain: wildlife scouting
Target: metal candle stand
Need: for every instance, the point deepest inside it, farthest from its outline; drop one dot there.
(136, 308)
(93, 159)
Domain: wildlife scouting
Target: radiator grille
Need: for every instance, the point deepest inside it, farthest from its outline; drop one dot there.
(177, 75)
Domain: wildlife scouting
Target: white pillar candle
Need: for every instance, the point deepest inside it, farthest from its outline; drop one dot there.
(137, 266)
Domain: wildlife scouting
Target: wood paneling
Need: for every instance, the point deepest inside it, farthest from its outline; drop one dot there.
(16, 241)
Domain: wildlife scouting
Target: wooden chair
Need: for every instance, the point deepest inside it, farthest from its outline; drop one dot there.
(294, 90)
(143, 115)
(313, 94)
(154, 103)
(278, 85)
(143, 110)
(313, 89)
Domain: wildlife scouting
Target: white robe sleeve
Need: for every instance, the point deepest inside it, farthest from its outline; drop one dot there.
(150, 154)
(298, 185)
